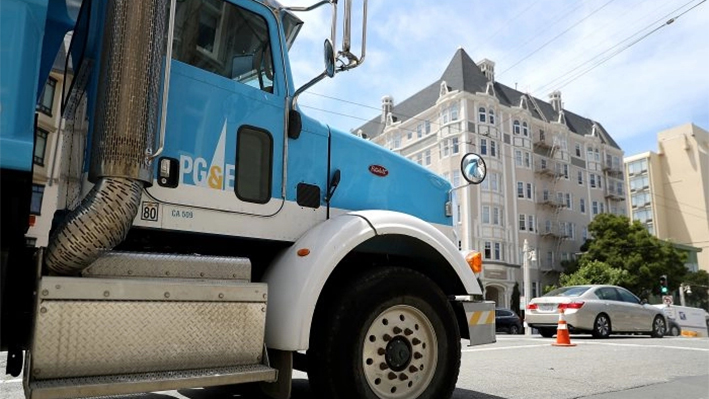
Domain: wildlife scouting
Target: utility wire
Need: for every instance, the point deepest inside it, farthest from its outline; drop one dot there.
(605, 28)
(433, 122)
(513, 158)
(556, 37)
(507, 24)
(538, 32)
(566, 82)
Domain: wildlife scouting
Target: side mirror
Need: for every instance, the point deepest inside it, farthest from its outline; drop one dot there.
(329, 54)
(644, 301)
(473, 168)
(241, 65)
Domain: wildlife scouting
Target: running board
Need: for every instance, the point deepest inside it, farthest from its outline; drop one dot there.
(148, 382)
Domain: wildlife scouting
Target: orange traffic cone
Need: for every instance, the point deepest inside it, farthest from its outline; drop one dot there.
(562, 332)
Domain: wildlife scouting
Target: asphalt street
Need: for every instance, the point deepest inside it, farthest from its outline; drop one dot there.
(622, 367)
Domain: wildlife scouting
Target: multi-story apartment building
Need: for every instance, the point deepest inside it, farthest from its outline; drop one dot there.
(669, 191)
(47, 153)
(550, 171)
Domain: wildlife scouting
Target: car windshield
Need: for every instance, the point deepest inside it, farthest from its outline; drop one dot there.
(568, 291)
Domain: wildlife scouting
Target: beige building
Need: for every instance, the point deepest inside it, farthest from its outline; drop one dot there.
(49, 149)
(669, 190)
(550, 171)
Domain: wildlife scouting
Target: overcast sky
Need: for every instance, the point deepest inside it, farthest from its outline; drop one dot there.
(538, 46)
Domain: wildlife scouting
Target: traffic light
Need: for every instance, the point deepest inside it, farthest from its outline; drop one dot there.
(663, 285)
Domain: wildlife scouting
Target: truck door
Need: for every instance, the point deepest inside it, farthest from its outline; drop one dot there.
(226, 110)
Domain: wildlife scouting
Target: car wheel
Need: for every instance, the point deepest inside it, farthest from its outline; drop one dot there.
(547, 332)
(658, 327)
(514, 329)
(675, 331)
(601, 326)
(391, 333)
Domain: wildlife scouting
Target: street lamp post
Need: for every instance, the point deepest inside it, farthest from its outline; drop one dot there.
(683, 289)
(527, 283)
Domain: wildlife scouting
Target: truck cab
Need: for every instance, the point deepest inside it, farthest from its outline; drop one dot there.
(223, 236)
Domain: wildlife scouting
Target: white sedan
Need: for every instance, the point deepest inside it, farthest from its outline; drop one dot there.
(598, 309)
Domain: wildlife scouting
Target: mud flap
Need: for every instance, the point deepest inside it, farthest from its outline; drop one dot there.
(481, 321)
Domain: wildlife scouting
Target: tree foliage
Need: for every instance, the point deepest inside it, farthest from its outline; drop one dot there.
(699, 282)
(626, 254)
(514, 303)
(594, 272)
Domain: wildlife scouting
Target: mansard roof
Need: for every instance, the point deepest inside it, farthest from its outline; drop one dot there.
(463, 74)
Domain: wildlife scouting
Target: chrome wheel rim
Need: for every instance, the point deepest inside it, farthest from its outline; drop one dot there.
(659, 326)
(602, 326)
(400, 353)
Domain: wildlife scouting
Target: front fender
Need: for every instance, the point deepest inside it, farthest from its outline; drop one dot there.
(295, 282)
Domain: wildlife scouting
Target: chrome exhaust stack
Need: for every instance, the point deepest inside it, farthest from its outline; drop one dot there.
(125, 122)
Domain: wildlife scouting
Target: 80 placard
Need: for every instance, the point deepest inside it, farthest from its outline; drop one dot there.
(149, 211)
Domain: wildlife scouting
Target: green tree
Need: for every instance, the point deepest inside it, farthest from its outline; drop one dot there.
(629, 247)
(514, 303)
(699, 282)
(594, 272)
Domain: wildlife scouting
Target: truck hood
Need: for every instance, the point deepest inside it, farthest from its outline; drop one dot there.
(373, 177)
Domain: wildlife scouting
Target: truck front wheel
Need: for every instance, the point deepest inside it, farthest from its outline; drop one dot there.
(389, 334)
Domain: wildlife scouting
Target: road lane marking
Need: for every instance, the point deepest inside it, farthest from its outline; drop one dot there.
(504, 347)
(648, 346)
(486, 349)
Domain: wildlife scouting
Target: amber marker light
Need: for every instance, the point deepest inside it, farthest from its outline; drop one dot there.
(475, 261)
(303, 252)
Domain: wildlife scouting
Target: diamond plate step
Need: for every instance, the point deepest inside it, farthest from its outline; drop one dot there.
(148, 382)
(141, 264)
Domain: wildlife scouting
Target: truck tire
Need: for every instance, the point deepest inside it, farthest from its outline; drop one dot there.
(390, 333)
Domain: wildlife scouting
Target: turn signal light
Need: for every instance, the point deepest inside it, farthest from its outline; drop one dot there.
(532, 306)
(475, 261)
(572, 305)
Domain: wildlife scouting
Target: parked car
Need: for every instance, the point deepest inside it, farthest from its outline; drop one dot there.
(673, 329)
(507, 321)
(598, 309)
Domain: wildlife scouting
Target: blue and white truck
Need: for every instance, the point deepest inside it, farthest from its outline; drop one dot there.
(221, 236)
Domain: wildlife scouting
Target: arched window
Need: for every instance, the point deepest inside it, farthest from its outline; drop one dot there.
(492, 116)
(481, 114)
(515, 127)
(525, 130)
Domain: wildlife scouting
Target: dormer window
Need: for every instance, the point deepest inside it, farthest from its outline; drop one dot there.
(492, 116)
(515, 127)
(523, 102)
(390, 120)
(444, 89)
(490, 89)
(482, 116)
(562, 118)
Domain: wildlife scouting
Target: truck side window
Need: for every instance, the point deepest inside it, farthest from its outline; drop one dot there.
(230, 41)
(254, 155)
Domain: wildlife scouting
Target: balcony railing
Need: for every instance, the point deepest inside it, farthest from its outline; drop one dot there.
(614, 194)
(550, 200)
(552, 232)
(546, 169)
(545, 143)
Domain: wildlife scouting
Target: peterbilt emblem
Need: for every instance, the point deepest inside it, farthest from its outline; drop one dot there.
(378, 170)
